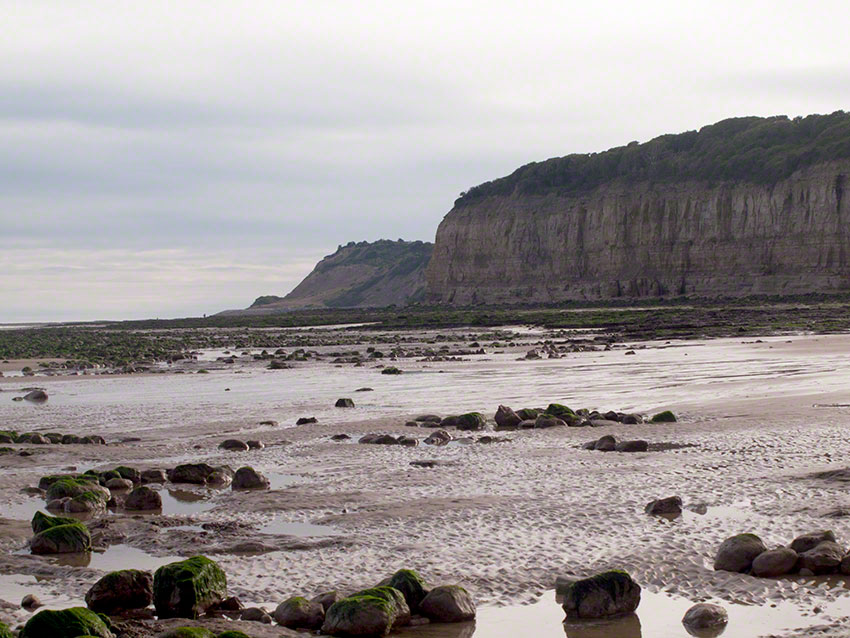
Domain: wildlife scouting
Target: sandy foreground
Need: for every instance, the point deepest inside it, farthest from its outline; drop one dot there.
(503, 519)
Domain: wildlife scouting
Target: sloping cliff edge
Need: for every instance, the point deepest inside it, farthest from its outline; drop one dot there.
(639, 238)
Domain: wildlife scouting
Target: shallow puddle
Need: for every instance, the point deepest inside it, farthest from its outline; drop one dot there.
(658, 616)
(115, 557)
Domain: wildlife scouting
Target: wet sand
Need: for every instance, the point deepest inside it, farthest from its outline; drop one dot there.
(505, 519)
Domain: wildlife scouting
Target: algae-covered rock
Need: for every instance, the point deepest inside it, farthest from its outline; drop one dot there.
(62, 539)
(372, 612)
(5, 632)
(411, 585)
(186, 588)
(448, 603)
(70, 486)
(611, 593)
(88, 501)
(66, 623)
(300, 613)
(42, 521)
(232, 634)
(663, 417)
(124, 589)
(129, 473)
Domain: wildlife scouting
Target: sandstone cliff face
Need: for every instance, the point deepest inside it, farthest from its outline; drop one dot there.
(641, 239)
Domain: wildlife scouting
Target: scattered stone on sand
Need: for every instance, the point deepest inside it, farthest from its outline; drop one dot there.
(340, 437)
(663, 417)
(36, 396)
(344, 403)
(306, 420)
(438, 437)
(233, 445)
(506, 418)
(67, 538)
(448, 603)
(247, 478)
(256, 614)
(194, 473)
(143, 499)
(736, 554)
(665, 506)
(825, 558)
(810, 540)
(705, 616)
(775, 562)
(607, 443)
(30, 602)
(611, 593)
(428, 418)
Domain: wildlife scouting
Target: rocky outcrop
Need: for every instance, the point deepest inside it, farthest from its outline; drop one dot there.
(552, 231)
(364, 274)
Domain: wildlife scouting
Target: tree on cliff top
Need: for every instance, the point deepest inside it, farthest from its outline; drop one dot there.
(751, 149)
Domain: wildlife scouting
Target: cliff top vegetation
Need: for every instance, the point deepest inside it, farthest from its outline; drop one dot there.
(751, 149)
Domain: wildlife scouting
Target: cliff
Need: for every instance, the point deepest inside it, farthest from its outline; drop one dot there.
(363, 274)
(746, 206)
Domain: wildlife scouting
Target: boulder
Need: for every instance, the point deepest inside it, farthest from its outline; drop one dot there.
(636, 445)
(66, 623)
(775, 562)
(306, 420)
(117, 591)
(129, 473)
(372, 612)
(611, 593)
(823, 559)
(607, 443)
(70, 487)
(736, 554)
(544, 421)
(344, 403)
(340, 437)
(247, 478)
(87, 502)
(447, 603)
(143, 499)
(30, 602)
(506, 419)
(662, 506)
(300, 613)
(438, 437)
(256, 614)
(408, 441)
(62, 539)
(663, 417)
(528, 414)
(811, 540)
(705, 616)
(154, 476)
(326, 599)
(41, 521)
(412, 587)
(36, 396)
(119, 484)
(631, 419)
(186, 588)
(233, 445)
(255, 445)
(195, 473)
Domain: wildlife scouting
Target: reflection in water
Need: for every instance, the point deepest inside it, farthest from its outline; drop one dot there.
(622, 627)
(440, 630)
(114, 558)
(709, 632)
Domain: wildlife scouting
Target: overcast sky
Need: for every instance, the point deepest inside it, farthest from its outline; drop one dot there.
(162, 159)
